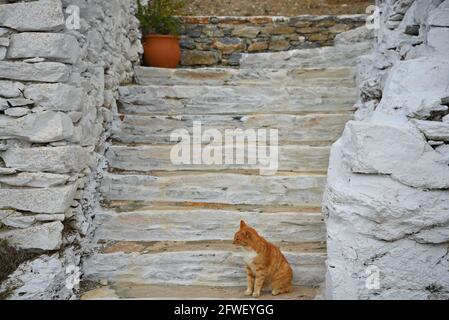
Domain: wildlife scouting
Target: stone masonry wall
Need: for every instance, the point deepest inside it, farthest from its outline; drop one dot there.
(387, 197)
(57, 96)
(209, 40)
(276, 7)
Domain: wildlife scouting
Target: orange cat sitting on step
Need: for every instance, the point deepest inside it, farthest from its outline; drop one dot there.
(265, 263)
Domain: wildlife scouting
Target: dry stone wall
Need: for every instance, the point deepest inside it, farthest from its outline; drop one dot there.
(387, 197)
(58, 84)
(276, 7)
(211, 40)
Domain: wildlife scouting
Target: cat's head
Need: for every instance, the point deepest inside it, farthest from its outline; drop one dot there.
(245, 236)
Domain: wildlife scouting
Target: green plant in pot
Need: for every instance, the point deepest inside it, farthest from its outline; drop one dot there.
(161, 27)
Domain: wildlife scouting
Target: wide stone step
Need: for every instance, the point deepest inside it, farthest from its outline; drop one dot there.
(175, 100)
(314, 77)
(123, 290)
(112, 246)
(200, 225)
(140, 94)
(324, 57)
(292, 128)
(201, 268)
(225, 188)
(147, 158)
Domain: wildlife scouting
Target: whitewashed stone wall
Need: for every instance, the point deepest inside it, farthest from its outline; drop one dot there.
(57, 95)
(387, 198)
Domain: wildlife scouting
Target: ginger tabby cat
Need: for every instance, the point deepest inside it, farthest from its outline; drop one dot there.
(265, 263)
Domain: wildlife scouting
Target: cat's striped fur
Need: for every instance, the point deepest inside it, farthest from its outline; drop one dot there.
(265, 263)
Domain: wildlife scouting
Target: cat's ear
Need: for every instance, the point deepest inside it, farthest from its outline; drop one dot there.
(242, 224)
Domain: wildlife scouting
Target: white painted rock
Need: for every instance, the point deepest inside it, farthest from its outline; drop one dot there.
(53, 46)
(433, 130)
(362, 201)
(438, 38)
(439, 18)
(445, 119)
(43, 15)
(354, 36)
(387, 201)
(427, 109)
(393, 147)
(373, 220)
(444, 151)
(58, 97)
(414, 84)
(45, 237)
(406, 269)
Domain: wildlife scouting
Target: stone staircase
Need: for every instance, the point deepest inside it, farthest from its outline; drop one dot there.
(166, 231)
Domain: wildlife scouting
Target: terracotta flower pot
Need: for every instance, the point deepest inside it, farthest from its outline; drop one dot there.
(162, 51)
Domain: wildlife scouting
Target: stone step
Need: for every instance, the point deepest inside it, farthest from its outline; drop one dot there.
(200, 225)
(292, 128)
(238, 106)
(323, 57)
(123, 290)
(315, 77)
(144, 205)
(225, 188)
(171, 227)
(175, 100)
(148, 158)
(203, 268)
(111, 246)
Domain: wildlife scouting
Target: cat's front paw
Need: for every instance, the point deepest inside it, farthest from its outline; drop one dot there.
(248, 292)
(256, 294)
